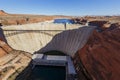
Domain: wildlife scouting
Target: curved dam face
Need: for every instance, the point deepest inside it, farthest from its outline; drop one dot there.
(32, 37)
(43, 37)
(69, 41)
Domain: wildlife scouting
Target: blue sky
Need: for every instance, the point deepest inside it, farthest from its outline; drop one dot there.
(62, 7)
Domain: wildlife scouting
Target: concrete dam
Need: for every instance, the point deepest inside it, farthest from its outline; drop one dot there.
(44, 36)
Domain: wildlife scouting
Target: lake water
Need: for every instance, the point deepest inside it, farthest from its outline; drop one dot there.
(63, 21)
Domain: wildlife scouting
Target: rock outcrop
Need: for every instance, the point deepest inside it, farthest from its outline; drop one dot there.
(102, 25)
(13, 64)
(4, 48)
(3, 13)
(99, 59)
(19, 19)
(81, 21)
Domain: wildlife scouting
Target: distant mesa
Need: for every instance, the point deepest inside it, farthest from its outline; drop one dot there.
(2, 12)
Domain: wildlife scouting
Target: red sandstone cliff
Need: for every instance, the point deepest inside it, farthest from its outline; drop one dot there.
(99, 59)
(4, 47)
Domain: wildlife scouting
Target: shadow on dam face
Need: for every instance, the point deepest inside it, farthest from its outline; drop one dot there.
(2, 36)
(54, 52)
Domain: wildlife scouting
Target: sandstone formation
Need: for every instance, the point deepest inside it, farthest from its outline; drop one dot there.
(114, 26)
(99, 59)
(112, 19)
(81, 21)
(4, 48)
(19, 19)
(13, 63)
(101, 25)
(2, 13)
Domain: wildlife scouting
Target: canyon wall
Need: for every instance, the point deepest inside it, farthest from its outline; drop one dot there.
(99, 58)
(4, 47)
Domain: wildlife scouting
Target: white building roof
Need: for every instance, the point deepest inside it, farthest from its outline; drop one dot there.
(61, 58)
(37, 56)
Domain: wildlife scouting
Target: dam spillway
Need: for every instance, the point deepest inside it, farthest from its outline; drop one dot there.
(44, 36)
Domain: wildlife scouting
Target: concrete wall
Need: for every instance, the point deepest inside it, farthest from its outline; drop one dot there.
(32, 37)
(69, 41)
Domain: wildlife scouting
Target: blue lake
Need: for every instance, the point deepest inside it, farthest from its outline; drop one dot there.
(63, 21)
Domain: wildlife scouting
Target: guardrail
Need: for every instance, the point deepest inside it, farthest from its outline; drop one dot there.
(15, 32)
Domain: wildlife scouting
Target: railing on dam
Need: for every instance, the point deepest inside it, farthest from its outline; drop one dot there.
(37, 28)
(9, 33)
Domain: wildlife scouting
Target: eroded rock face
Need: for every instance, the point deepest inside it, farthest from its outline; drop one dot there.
(3, 13)
(81, 21)
(4, 48)
(12, 62)
(99, 59)
(114, 26)
(102, 25)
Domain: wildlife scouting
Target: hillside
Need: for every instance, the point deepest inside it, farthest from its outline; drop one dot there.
(3, 13)
(18, 19)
